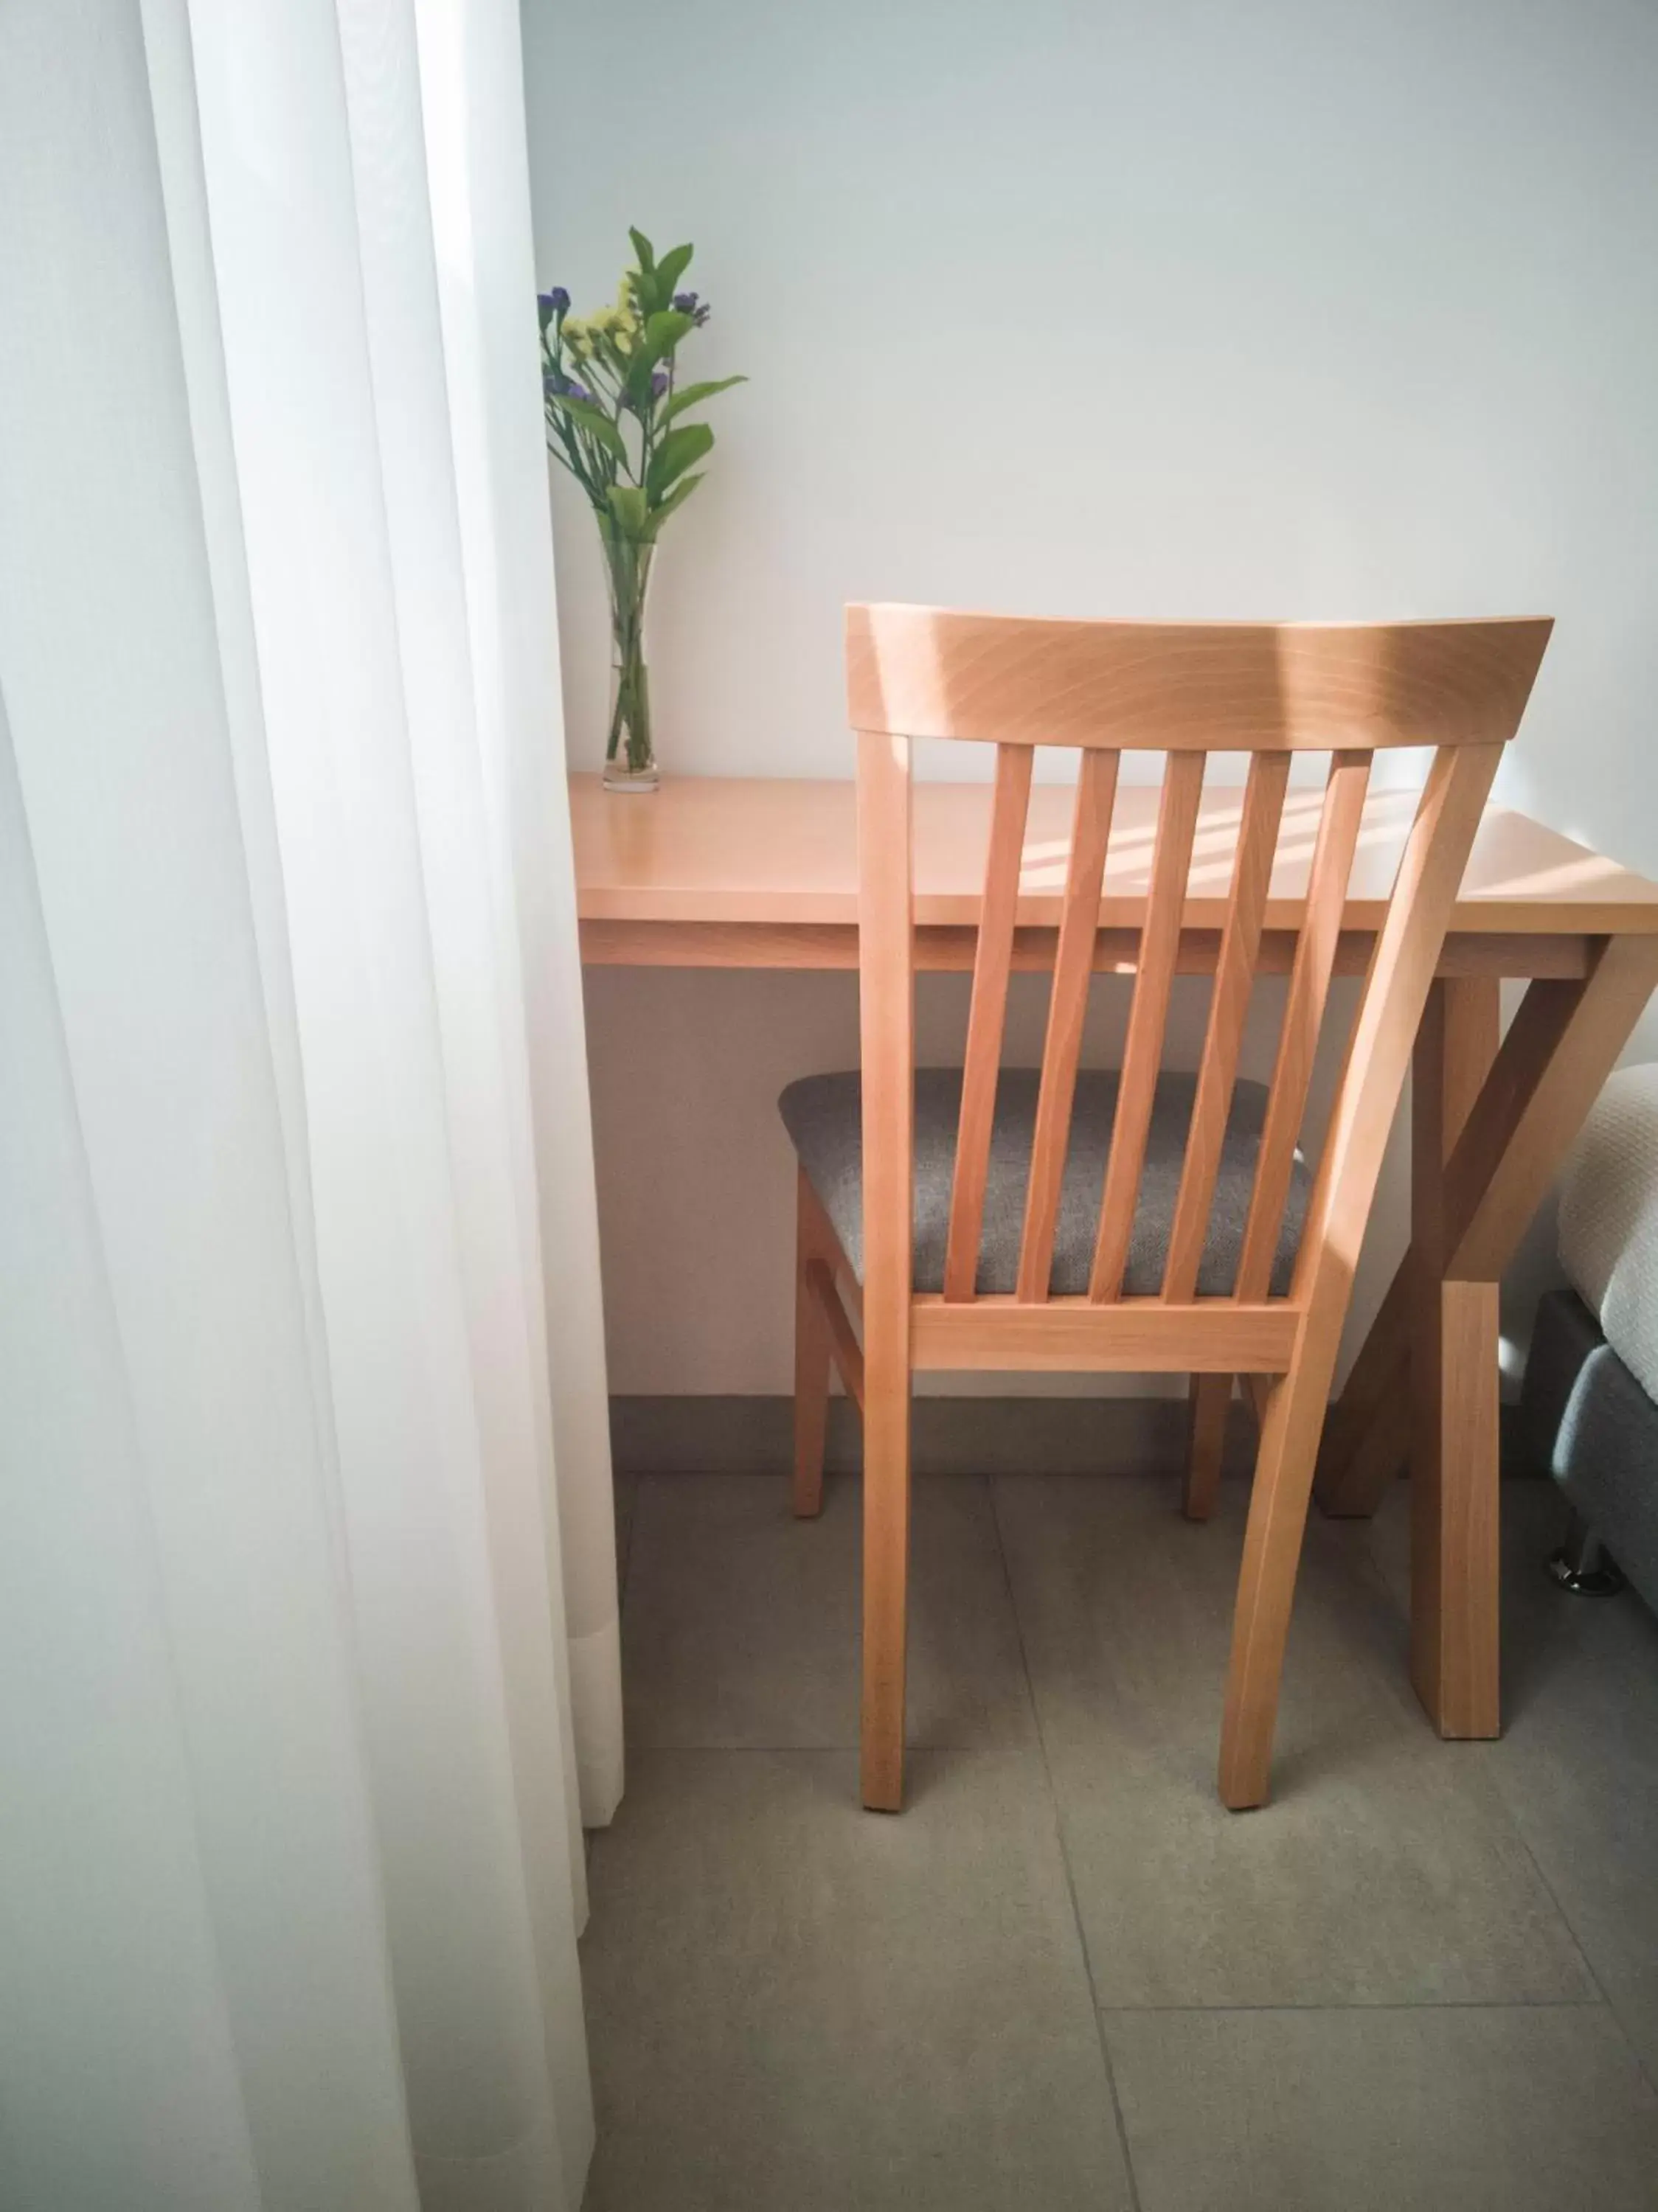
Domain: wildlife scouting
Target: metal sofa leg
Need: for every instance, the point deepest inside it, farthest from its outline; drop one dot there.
(1583, 1566)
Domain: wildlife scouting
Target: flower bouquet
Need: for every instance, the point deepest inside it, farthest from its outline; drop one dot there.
(616, 419)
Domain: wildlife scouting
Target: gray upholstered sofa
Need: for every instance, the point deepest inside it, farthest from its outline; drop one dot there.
(1591, 1393)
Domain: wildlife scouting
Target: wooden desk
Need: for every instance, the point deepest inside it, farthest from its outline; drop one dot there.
(762, 872)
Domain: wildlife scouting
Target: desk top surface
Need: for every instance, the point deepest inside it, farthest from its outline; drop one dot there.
(777, 850)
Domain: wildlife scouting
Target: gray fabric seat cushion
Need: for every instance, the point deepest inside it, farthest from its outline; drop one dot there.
(1609, 1218)
(822, 1114)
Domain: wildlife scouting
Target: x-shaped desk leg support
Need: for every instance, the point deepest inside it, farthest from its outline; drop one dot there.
(1490, 1127)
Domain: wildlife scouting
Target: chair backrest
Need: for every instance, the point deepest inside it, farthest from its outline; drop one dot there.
(1184, 690)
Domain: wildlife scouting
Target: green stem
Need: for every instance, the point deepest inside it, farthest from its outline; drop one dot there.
(629, 564)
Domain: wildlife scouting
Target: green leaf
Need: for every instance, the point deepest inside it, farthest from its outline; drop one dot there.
(693, 395)
(587, 416)
(646, 283)
(671, 268)
(677, 497)
(679, 450)
(636, 381)
(663, 332)
(627, 504)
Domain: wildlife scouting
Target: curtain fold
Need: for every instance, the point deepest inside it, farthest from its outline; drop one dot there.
(297, 1624)
(471, 76)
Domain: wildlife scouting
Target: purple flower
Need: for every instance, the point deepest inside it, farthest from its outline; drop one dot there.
(557, 385)
(688, 304)
(556, 302)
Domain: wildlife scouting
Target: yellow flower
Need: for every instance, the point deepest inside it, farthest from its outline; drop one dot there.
(616, 325)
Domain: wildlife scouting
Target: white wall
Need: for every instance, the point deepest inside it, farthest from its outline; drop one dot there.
(1303, 309)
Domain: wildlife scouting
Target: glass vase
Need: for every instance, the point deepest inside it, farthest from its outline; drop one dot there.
(630, 751)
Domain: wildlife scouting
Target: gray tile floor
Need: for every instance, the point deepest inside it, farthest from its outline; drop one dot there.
(1426, 1976)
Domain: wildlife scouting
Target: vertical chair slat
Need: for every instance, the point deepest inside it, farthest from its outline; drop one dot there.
(991, 962)
(1160, 944)
(1234, 979)
(1303, 1016)
(1079, 922)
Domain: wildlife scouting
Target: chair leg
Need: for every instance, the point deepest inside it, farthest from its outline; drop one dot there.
(1210, 1398)
(1258, 1395)
(813, 1355)
(886, 1568)
(1293, 1420)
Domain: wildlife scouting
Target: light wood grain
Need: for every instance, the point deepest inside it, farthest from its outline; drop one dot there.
(1234, 981)
(1096, 789)
(1078, 1336)
(886, 1033)
(762, 872)
(827, 946)
(1452, 1391)
(842, 1339)
(1383, 1035)
(1303, 1018)
(986, 1015)
(1558, 1049)
(1248, 687)
(760, 850)
(1142, 1052)
(1186, 693)
(1514, 1140)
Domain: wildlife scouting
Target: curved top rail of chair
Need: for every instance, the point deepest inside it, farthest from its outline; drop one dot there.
(1175, 686)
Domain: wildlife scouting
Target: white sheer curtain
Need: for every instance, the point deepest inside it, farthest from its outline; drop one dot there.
(308, 1670)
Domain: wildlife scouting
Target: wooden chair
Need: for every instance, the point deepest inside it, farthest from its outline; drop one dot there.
(1160, 1284)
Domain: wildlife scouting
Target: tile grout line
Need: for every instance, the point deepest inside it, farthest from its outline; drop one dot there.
(1372, 1559)
(1095, 2005)
(1635, 2052)
(1384, 2005)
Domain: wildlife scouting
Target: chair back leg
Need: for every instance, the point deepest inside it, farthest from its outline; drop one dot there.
(1211, 1398)
(813, 1351)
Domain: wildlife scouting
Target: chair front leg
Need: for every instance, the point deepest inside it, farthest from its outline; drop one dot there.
(886, 1565)
(1289, 1449)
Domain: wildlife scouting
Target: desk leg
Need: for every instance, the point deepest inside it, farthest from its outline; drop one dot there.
(1451, 1355)
(1559, 1049)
